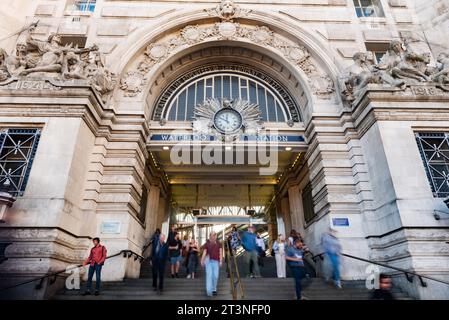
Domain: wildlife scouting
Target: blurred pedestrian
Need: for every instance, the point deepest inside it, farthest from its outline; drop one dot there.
(248, 240)
(158, 260)
(193, 258)
(384, 290)
(295, 260)
(332, 248)
(212, 260)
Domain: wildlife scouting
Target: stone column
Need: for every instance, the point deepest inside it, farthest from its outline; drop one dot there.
(296, 209)
(285, 215)
(152, 210)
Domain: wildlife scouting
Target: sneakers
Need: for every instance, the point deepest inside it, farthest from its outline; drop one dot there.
(189, 276)
(214, 293)
(86, 293)
(338, 285)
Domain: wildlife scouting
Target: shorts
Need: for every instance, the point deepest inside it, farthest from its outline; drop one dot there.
(174, 260)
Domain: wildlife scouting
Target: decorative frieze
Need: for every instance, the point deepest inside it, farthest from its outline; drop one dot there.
(133, 81)
(400, 68)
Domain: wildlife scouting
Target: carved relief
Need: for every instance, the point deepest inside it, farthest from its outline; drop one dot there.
(132, 83)
(227, 10)
(49, 58)
(321, 84)
(400, 68)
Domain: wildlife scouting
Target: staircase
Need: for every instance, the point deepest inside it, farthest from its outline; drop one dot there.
(267, 288)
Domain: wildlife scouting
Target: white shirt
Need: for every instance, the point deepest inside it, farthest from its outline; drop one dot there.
(260, 243)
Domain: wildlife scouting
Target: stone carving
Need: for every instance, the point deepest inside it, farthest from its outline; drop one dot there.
(204, 113)
(227, 10)
(441, 77)
(49, 58)
(133, 83)
(399, 68)
(4, 74)
(321, 84)
(358, 75)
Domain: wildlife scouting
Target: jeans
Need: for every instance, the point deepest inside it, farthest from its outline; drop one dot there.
(298, 274)
(251, 259)
(97, 269)
(335, 261)
(158, 268)
(212, 270)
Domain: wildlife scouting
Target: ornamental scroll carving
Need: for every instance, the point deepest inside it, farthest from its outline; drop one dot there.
(40, 59)
(400, 68)
(133, 82)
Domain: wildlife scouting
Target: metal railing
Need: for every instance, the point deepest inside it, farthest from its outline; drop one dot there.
(231, 263)
(408, 274)
(126, 254)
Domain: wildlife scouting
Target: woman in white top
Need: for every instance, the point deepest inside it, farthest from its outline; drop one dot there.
(279, 247)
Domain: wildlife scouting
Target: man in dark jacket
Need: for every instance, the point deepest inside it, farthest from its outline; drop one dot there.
(158, 259)
(384, 290)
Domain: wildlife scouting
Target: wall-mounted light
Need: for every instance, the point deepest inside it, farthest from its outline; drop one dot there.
(288, 148)
(165, 148)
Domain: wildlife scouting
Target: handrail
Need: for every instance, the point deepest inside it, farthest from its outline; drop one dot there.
(408, 274)
(232, 259)
(126, 254)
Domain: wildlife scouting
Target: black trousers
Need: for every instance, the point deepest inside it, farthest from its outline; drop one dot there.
(158, 272)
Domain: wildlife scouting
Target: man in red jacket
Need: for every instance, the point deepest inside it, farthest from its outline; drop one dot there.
(95, 260)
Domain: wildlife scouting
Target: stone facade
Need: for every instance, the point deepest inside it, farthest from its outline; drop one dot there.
(94, 93)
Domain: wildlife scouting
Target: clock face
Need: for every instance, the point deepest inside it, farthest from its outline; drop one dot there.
(227, 120)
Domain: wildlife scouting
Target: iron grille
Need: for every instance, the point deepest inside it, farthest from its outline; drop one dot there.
(17, 151)
(434, 150)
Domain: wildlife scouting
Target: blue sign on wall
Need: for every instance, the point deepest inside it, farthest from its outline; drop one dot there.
(193, 137)
(340, 222)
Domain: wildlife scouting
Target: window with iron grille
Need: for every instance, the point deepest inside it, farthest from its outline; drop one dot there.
(307, 203)
(368, 8)
(17, 151)
(434, 149)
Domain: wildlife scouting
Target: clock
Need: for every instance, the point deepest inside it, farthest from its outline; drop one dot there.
(228, 120)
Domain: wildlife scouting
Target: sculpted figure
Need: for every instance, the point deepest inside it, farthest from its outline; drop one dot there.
(399, 63)
(72, 68)
(442, 76)
(4, 74)
(18, 62)
(227, 8)
(50, 51)
(100, 78)
(358, 75)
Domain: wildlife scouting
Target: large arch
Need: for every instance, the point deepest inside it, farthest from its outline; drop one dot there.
(317, 74)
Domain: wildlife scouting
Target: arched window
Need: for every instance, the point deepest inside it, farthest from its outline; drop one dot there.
(180, 98)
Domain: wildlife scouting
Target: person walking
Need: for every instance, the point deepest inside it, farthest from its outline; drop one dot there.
(294, 257)
(249, 244)
(158, 260)
(332, 249)
(260, 249)
(193, 258)
(185, 253)
(279, 247)
(174, 252)
(234, 239)
(384, 290)
(212, 260)
(95, 261)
